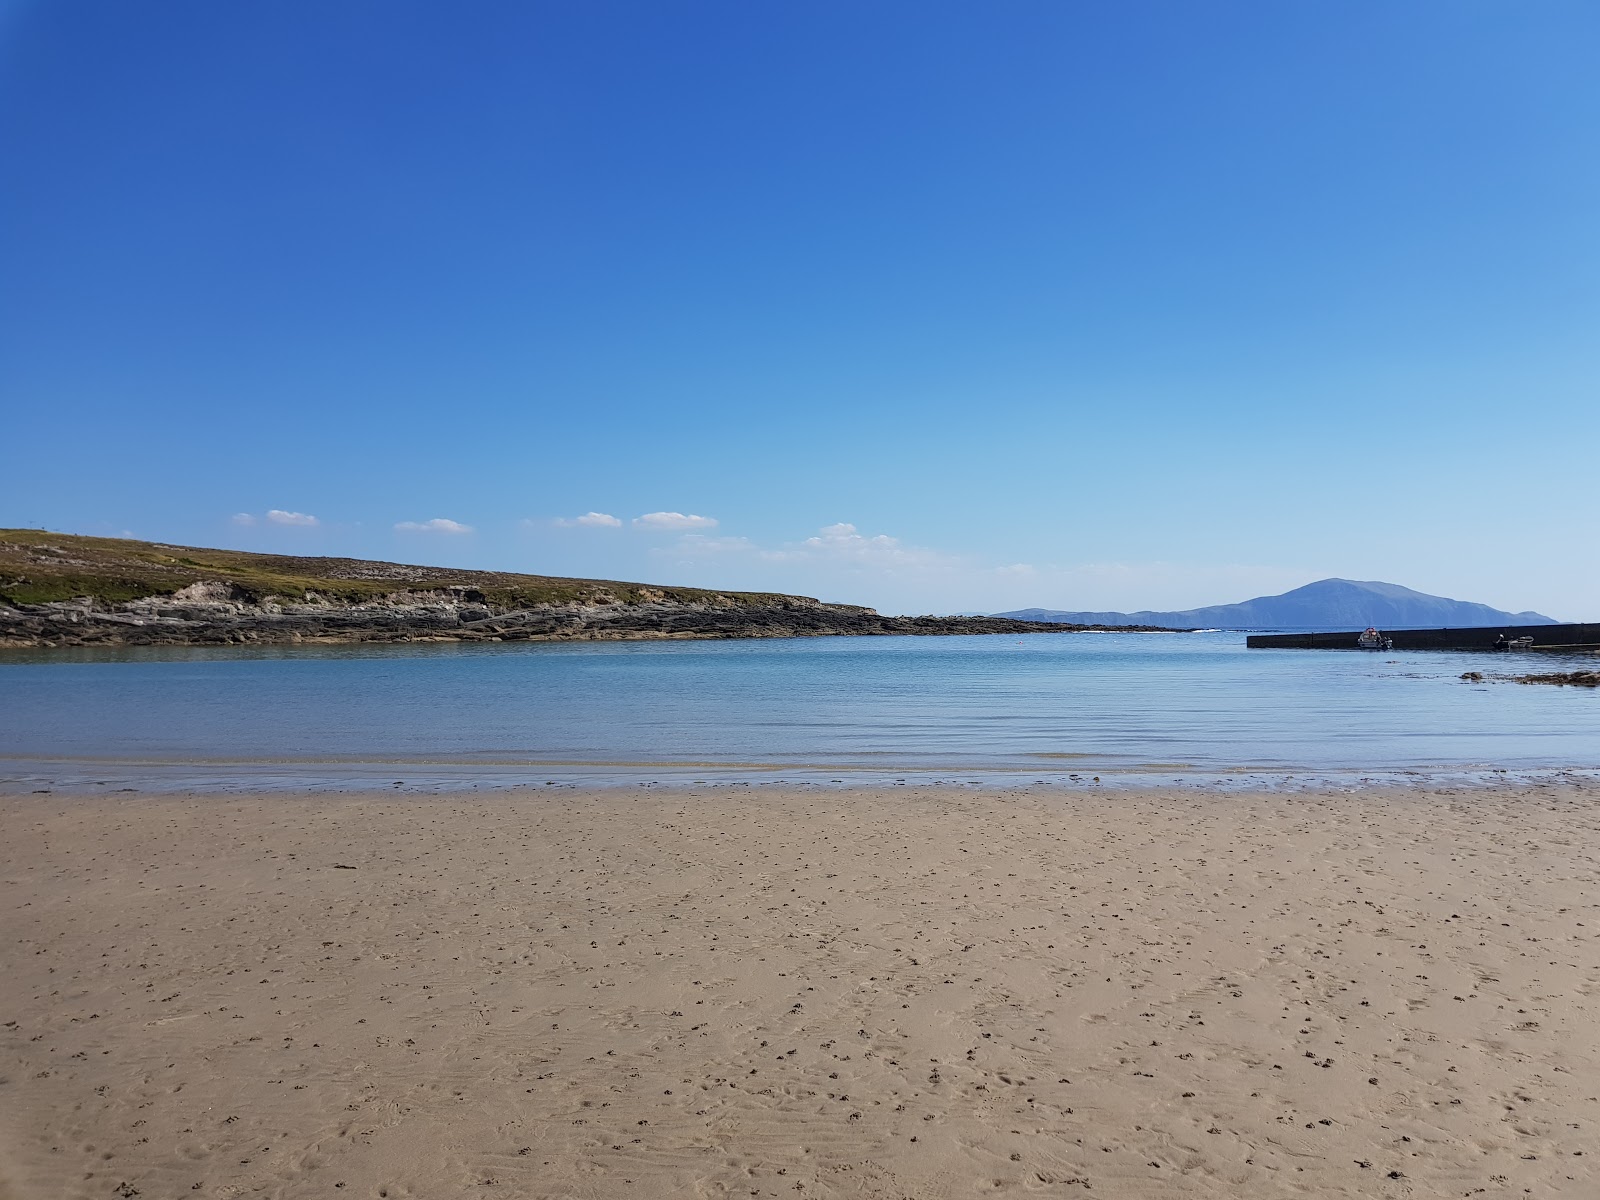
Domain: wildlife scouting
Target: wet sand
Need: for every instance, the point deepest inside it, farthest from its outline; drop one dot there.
(765, 991)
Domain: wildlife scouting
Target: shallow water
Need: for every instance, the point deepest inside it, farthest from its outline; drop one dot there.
(1048, 706)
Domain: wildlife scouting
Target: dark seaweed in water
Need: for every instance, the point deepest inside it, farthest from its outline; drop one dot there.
(1564, 678)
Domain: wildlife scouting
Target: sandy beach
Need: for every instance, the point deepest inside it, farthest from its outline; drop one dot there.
(787, 991)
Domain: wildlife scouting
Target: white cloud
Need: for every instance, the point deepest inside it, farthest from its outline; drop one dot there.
(844, 543)
(589, 520)
(674, 520)
(841, 545)
(697, 545)
(841, 562)
(847, 541)
(834, 548)
(278, 517)
(437, 525)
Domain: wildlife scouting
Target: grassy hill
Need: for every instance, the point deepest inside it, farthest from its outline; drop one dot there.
(38, 567)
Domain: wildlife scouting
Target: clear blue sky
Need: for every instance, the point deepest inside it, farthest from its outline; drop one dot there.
(1073, 304)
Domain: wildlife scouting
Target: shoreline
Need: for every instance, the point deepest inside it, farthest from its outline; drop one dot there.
(440, 776)
(730, 991)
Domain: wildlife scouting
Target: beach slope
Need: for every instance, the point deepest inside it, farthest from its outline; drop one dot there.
(781, 991)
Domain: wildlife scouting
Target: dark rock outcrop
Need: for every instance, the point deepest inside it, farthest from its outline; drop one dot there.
(1588, 679)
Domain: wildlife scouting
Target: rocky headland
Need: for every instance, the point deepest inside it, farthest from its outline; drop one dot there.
(64, 590)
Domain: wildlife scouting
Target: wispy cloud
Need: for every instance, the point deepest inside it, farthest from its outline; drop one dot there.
(437, 525)
(844, 543)
(693, 545)
(840, 545)
(277, 516)
(878, 568)
(589, 520)
(674, 520)
(1131, 586)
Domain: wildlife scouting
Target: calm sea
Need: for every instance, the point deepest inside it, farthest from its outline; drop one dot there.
(1055, 707)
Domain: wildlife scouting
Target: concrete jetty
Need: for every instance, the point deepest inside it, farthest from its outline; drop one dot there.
(1578, 637)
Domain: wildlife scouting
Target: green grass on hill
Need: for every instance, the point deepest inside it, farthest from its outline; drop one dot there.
(37, 567)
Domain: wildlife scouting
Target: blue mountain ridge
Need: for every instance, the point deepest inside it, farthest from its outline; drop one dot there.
(1328, 604)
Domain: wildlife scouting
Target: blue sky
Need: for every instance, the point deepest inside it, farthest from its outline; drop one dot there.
(929, 306)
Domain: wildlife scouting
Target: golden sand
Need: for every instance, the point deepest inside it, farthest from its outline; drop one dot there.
(769, 991)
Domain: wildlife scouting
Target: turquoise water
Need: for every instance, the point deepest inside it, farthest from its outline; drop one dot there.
(1048, 706)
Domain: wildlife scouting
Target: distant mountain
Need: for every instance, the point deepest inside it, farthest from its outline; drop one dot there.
(1328, 604)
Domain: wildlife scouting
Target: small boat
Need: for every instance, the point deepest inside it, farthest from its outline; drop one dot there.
(1371, 639)
(1517, 643)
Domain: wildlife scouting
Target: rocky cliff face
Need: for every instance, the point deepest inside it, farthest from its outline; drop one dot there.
(213, 613)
